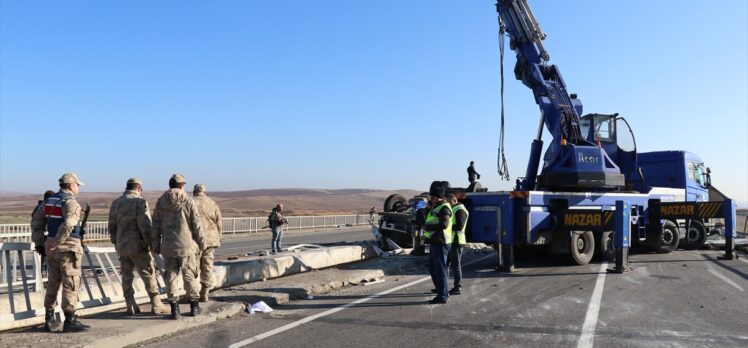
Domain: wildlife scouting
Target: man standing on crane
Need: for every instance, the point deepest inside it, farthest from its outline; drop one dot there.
(472, 174)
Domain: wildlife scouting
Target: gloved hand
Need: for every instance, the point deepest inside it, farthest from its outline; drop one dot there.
(478, 176)
(40, 249)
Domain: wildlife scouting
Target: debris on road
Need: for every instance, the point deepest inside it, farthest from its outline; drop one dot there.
(261, 307)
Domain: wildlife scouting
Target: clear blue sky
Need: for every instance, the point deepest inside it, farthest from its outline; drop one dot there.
(347, 94)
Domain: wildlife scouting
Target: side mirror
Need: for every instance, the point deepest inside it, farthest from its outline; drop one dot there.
(708, 171)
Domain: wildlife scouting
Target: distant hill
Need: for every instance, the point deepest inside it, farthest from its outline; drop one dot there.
(296, 201)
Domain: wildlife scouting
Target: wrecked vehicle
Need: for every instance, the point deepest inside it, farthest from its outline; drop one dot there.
(402, 219)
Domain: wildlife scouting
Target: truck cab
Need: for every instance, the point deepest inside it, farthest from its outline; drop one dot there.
(675, 169)
(685, 171)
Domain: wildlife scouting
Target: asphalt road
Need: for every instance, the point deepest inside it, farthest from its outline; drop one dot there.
(687, 298)
(241, 244)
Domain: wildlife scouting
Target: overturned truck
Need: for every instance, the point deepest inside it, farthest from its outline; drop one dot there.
(402, 218)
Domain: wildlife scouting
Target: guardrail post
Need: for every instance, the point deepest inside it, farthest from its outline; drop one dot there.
(729, 210)
(38, 281)
(622, 236)
(9, 279)
(24, 281)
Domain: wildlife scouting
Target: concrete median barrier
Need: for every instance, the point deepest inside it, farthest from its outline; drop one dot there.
(228, 273)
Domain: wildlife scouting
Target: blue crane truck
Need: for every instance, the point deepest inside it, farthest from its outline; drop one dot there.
(590, 164)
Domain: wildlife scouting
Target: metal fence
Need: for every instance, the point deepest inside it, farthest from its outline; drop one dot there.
(21, 293)
(99, 231)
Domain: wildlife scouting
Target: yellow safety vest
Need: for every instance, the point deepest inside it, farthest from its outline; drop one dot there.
(433, 218)
(460, 230)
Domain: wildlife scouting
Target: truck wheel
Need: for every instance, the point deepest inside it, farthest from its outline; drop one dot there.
(695, 235)
(394, 202)
(667, 240)
(582, 245)
(605, 246)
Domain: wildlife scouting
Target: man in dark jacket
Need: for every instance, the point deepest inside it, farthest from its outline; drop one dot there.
(276, 222)
(472, 174)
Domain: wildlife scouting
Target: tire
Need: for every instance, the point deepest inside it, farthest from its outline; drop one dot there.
(474, 187)
(666, 240)
(582, 247)
(695, 235)
(394, 202)
(606, 246)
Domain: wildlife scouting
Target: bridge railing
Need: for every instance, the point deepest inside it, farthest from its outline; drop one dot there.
(99, 230)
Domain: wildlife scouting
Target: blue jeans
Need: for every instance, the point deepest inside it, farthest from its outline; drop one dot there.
(275, 243)
(438, 255)
(455, 264)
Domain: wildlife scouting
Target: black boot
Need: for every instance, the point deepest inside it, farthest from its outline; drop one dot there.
(73, 325)
(50, 323)
(175, 310)
(195, 308)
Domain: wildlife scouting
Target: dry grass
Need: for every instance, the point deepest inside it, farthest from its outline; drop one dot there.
(17, 208)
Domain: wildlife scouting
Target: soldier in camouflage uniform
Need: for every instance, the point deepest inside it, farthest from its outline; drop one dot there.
(62, 216)
(39, 225)
(210, 218)
(130, 232)
(178, 237)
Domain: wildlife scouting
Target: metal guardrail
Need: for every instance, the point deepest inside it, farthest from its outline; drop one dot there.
(100, 279)
(18, 254)
(15, 258)
(99, 230)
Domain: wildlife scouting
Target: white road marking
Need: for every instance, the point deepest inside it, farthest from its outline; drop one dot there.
(724, 278)
(336, 309)
(743, 259)
(593, 309)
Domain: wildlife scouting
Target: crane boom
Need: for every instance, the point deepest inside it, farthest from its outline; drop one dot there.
(571, 161)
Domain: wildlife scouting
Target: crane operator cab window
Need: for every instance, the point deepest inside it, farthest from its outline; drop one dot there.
(600, 128)
(610, 129)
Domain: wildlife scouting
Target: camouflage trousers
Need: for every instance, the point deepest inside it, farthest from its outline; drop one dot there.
(188, 266)
(206, 267)
(64, 268)
(144, 264)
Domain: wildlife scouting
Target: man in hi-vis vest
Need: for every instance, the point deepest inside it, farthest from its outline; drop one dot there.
(438, 234)
(459, 222)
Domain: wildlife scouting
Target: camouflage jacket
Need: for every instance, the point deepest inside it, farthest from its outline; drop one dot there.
(38, 225)
(210, 219)
(130, 224)
(176, 229)
(71, 215)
